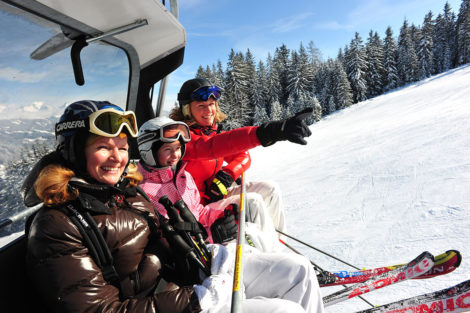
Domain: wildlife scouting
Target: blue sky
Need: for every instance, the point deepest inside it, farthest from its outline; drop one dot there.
(215, 27)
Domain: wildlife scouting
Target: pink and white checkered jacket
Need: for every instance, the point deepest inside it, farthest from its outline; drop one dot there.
(165, 182)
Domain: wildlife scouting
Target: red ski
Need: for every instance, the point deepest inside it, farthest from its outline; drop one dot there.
(443, 264)
(451, 300)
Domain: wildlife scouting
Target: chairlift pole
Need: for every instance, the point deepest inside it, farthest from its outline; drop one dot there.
(174, 9)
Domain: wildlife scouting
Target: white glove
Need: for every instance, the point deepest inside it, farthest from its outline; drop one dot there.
(215, 293)
(223, 259)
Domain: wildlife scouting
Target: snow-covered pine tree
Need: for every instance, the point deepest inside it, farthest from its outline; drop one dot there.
(340, 56)
(210, 74)
(316, 109)
(425, 48)
(463, 33)
(15, 172)
(242, 100)
(289, 108)
(329, 89)
(201, 72)
(260, 115)
(273, 87)
(229, 105)
(342, 92)
(307, 101)
(217, 74)
(391, 79)
(407, 59)
(356, 67)
(281, 62)
(293, 79)
(206, 73)
(450, 46)
(276, 111)
(299, 76)
(375, 70)
(219, 79)
(253, 89)
(323, 86)
(444, 40)
(314, 55)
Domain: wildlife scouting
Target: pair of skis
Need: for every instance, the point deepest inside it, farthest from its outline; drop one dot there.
(454, 299)
(451, 300)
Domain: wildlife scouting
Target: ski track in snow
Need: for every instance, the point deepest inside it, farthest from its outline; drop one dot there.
(381, 182)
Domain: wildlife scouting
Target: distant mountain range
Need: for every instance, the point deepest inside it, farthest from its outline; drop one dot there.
(35, 110)
(17, 135)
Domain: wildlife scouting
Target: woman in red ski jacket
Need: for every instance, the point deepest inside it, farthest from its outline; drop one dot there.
(216, 158)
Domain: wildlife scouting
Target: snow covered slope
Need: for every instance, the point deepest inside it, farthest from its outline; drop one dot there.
(382, 181)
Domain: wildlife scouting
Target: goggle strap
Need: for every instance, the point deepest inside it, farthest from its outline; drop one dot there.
(146, 137)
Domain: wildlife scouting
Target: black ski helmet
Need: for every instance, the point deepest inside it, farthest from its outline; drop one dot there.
(73, 129)
(186, 91)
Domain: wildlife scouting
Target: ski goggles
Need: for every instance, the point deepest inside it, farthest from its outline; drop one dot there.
(174, 132)
(106, 123)
(167, 133)
(110, 122)
(205, 92)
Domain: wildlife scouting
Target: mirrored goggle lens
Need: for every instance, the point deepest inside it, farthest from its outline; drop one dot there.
(174, 131)
(204, 93)
(112, 123)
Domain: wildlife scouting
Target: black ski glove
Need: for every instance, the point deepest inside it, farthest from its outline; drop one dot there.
(293, 129)
(225, 228)
(218, 188)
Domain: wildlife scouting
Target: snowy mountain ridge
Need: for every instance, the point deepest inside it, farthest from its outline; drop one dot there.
(35, 110)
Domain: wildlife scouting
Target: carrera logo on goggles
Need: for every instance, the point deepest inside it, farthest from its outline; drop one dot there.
(65, 126)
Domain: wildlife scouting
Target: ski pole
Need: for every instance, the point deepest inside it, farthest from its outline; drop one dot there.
(319, 250)
(298, 252)
(237, 291)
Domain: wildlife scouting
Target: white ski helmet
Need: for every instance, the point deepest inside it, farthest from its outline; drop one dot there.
(157, 131)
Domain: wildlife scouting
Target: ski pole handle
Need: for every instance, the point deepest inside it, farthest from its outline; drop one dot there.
(188, 216)
(183, 248)
(175, 218)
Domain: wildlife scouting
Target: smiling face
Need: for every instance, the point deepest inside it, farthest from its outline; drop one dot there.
(169, 154)
(204, 112)
(107, 158)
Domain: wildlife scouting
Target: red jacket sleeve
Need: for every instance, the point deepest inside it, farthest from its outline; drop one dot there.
(237, 164)
(221, 145)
